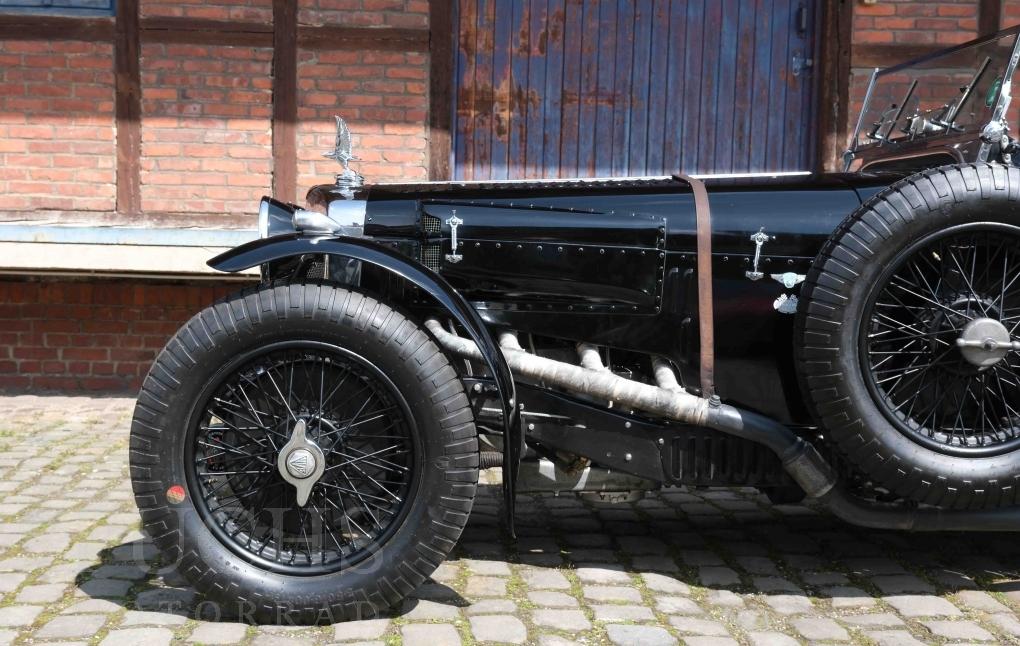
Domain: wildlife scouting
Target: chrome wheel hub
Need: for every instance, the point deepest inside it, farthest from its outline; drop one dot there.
(301, 462)
(985, 342)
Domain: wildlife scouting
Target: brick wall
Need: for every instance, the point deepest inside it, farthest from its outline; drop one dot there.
(93, 336)
(236, 10)
(206, 128)
(384, 98)
(383, 95)
(206, 114)
(943, 22)
(56, 126)
(365, 13)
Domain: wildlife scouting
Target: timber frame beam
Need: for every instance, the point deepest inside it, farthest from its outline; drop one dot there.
(128, 107)
(834, 83)
(441, 73)
(285, 100)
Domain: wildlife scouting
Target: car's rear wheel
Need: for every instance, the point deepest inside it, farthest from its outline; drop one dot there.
(303, 453)
(909, 337)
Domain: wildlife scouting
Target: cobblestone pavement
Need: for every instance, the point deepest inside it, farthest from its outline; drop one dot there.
(696, 567)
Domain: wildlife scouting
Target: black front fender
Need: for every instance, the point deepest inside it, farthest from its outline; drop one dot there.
(266, 250)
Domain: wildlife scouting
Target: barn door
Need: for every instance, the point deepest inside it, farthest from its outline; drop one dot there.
(565, 88)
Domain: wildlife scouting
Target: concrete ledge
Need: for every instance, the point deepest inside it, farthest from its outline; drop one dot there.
(117, 251)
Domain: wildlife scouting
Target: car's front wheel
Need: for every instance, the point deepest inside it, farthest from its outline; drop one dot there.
(303, 453)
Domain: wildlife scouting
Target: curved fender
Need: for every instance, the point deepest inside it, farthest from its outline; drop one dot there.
(266, 250)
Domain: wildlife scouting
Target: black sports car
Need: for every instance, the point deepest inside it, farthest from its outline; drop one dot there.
(311, 446)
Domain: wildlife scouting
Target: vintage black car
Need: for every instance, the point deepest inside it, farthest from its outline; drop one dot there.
(310, 447)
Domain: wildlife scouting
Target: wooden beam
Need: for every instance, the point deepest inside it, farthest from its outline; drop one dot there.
(372, 38)
(441, 70)
(128, 107)
(29, 27)
(207, 32)
(989, 16)
(285, 55)
(213, 32)
(834, 90)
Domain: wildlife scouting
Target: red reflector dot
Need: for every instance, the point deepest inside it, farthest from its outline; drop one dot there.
(175, 494)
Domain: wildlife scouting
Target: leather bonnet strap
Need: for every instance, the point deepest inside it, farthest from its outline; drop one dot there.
(706, 317)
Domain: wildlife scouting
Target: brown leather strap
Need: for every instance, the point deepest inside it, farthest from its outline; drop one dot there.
(706, 316)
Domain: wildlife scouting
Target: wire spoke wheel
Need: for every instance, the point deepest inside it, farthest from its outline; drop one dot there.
(364, 455)
(940, 349)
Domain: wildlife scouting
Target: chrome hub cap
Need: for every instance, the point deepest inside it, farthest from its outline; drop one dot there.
(940, 344)
(985, 342)
(301, 462)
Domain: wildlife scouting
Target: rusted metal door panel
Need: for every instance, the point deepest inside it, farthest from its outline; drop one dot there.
(564, 88)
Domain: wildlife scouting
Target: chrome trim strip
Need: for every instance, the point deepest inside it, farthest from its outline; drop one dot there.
(586, 180)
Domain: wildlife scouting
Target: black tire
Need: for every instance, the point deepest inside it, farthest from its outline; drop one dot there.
(909, 442)
(438, 455)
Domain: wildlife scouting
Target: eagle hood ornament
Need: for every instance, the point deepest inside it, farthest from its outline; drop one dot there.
(347, 180)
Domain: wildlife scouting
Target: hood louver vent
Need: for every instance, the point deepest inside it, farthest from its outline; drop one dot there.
(431, 224)
(431, 252)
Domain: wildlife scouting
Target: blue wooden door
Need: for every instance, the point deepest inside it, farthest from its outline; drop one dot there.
(582, 88)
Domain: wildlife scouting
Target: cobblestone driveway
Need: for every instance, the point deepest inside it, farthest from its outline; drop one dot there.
(706, 567)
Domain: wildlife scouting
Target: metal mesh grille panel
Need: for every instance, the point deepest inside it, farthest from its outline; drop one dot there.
(431, 223)
(431, 256)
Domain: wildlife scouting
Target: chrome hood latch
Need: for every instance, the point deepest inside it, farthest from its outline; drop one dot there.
(453, 222)
(759, 239)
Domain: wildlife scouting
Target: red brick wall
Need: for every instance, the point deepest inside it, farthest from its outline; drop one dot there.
(944, 22)
(383, 95)
(56, 126)
(206, 123)
(364, 13)
(384, 98)
(206, 128)
(92, 336)
(236, 10)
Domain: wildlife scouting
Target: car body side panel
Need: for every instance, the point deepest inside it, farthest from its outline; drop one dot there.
(644, 303)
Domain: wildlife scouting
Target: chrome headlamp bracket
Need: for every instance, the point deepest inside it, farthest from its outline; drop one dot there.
(342, 217)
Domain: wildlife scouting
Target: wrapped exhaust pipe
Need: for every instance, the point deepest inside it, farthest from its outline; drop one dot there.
(665, 377)
(601, 383)
(589, 356)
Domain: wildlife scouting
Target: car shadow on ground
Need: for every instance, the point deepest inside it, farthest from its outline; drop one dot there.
(135, 576)
(722, 547)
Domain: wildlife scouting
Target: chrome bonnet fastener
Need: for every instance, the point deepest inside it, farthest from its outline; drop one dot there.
(759, 239)
(301, 462)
